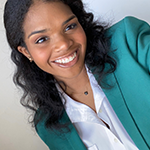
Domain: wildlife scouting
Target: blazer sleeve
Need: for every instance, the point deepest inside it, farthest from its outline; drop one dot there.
(136, 34)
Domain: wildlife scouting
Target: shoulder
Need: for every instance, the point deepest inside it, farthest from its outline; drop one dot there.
(128, 23)
(130, 38)
(129, 30)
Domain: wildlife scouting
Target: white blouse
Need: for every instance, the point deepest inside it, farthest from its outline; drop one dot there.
(92, 131)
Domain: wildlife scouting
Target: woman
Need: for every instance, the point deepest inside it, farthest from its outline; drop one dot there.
(57, 48)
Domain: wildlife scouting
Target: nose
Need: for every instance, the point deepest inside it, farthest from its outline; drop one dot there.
(62, 43)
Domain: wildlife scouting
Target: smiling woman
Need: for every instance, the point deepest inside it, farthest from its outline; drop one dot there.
(54, 39)
(63, 59)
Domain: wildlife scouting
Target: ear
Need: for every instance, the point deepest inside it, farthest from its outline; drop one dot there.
(25, 52)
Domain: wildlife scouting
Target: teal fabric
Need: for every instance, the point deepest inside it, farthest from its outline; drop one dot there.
(56, 140)
(130, 95)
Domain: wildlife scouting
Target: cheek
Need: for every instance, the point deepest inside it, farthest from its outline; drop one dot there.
(40, 57)
(37, 51)
(82, 37)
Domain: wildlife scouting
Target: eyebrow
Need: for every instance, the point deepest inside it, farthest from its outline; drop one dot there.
(44, 30)
(72, 17)
(35, 32)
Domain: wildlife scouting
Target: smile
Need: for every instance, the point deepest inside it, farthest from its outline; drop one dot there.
(67, 59)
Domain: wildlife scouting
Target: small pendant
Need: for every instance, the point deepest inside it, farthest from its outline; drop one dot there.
(86, 92)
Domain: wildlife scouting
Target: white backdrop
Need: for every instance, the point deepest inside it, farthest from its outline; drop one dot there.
(15, 132)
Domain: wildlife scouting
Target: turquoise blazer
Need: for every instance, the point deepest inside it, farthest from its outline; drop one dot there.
(130, 95)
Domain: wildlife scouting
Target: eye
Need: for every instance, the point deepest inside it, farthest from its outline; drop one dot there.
(72, 26)
(41, 40)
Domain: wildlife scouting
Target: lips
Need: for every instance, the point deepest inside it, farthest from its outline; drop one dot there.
(67, 61)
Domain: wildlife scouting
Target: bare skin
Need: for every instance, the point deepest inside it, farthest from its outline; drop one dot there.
(76, 87)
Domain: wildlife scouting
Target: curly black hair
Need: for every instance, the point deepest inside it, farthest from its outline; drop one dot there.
(39, 90)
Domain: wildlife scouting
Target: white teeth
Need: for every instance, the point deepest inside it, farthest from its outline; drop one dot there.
(66, 60)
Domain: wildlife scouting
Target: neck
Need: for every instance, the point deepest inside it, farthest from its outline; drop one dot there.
(76, 84)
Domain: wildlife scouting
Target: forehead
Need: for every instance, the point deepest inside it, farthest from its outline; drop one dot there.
(43, 14)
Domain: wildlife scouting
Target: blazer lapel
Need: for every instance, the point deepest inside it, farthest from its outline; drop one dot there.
(72, 137)
(123, 102)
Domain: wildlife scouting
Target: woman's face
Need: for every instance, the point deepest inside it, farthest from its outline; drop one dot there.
(55, 39)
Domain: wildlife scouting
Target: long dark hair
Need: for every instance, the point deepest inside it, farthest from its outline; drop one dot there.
(40, 93)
